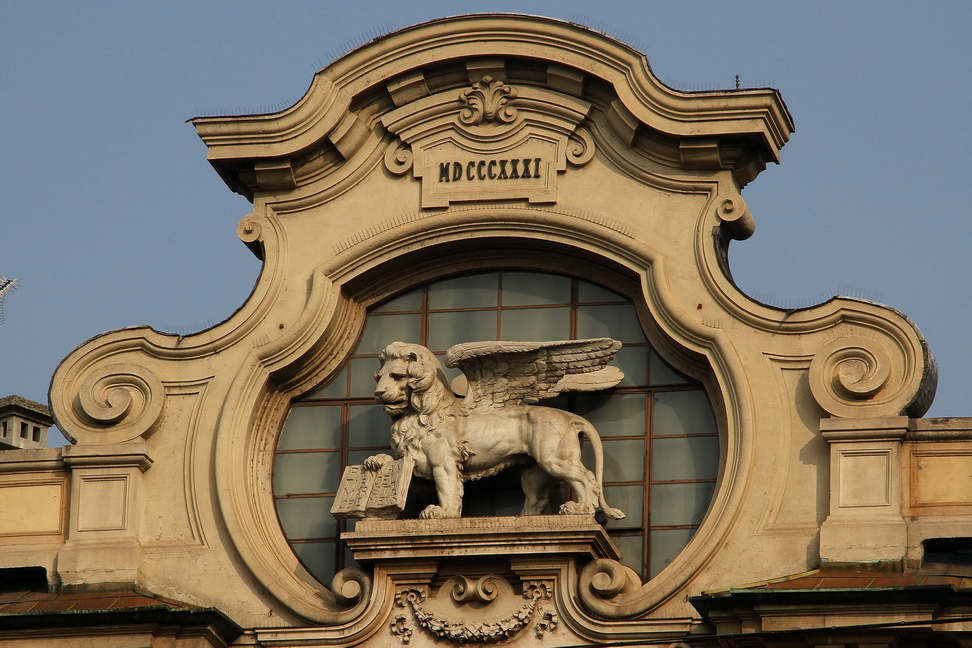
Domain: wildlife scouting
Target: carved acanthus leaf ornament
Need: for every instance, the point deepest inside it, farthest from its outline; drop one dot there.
(488, 100)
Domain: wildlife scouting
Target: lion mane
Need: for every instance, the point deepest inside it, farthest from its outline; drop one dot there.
(430, 399)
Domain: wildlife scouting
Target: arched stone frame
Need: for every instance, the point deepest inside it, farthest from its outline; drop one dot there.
(498, 237)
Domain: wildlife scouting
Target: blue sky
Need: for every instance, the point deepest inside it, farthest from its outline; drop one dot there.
(112, 217)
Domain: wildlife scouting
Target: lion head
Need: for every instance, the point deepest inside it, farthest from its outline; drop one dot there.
(411, 381)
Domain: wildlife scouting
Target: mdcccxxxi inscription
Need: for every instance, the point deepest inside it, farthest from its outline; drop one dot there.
(490, 169)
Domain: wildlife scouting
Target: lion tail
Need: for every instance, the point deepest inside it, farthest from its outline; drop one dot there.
(595, 439)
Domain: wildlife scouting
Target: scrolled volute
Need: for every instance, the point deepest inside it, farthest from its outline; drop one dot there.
(398, 157)
(735, 217)
(580, 147)
(609, 589)
(117, 403)
(858, 375)
(351, 586)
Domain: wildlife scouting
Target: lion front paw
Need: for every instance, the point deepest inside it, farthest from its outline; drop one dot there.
(432, 512)
(573, 508)
(375, 462)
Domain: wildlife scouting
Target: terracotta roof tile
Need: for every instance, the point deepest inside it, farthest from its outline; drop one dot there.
(13, 608)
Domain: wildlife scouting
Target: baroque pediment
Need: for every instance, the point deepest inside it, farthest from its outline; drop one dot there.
(492, 140)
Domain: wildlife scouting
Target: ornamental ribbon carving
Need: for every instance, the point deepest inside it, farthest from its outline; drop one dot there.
(488, 100)
(485, 590)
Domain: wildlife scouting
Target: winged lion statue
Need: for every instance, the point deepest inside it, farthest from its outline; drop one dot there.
(493, 421)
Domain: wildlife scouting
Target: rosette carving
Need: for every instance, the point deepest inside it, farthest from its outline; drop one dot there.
(580, 147)
(855, 376)
(488, 100)
(121, 401)
(398, 157)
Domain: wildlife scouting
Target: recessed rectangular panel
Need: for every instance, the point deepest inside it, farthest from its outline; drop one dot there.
(942, 479)
(103, 503)
(30, 508)
(865, 478)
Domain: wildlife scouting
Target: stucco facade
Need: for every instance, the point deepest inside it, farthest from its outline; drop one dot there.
(502, 144)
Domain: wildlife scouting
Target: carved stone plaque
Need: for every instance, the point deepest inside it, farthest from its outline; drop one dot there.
(373, 493)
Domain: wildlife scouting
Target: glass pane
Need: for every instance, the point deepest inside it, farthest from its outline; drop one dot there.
(317, 426)
(624, 459)
(446, 329)
(473, 291)
(662, 374)
(368, 426)
(665, 545)
(363, 377)
(539, 324)
(307, 517)
(618, 415)
(630, 547)
(509, 502)
(631, 360)
(631, 500)
(336, 388)
(683, 412)
(530, 288)
(619, 322)
(588, 292)
(318, 557)
(410, 301)
(684, 458)
(357, 457)
(382, 330)
(307, 472)
(679, 504)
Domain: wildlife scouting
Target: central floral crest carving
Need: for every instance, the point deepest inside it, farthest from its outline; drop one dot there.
(488, 100)
(486, 590)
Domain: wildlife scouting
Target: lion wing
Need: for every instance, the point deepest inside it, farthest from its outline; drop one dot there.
(502, 373)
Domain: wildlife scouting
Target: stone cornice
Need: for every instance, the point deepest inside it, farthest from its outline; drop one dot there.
(394, 64)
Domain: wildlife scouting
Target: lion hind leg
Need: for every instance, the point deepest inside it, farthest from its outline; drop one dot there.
(536, 484)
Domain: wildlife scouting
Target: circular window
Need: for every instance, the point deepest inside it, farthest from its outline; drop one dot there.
(661, 447)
